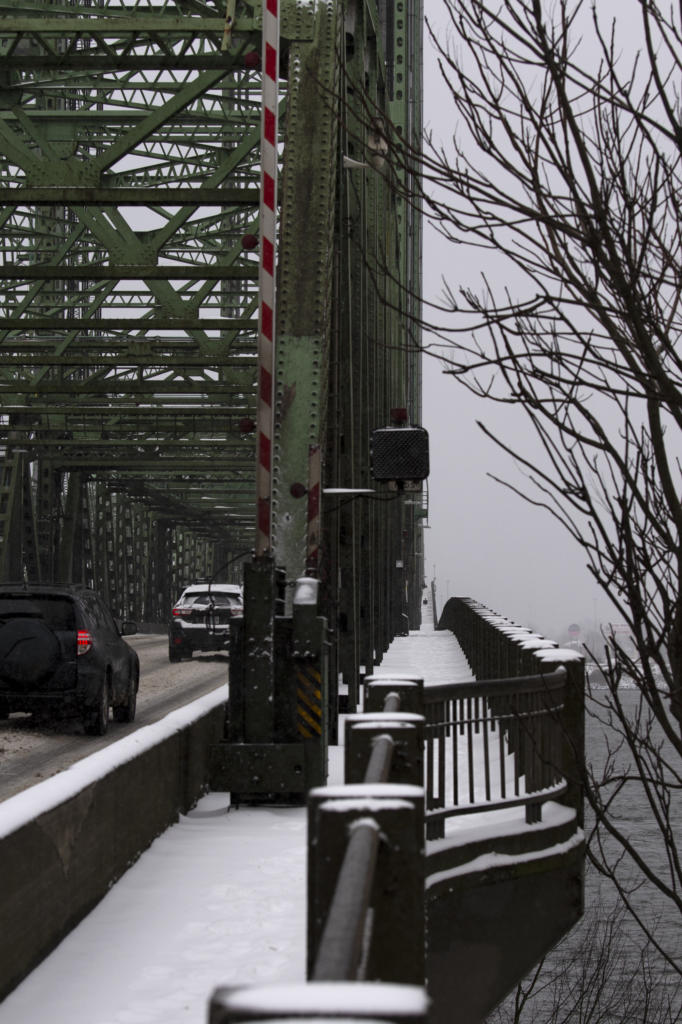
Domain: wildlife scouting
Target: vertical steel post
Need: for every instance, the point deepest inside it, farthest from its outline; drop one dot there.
(65, 555)
(257, 676)
(11, 474)
(267, 270)
(310, 679)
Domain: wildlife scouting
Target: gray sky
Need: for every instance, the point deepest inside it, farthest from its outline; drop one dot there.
(484, 541)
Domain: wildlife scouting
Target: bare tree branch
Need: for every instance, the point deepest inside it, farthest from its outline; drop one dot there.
(562, 178)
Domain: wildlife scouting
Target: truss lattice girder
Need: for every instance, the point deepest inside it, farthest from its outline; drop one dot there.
(128, 176)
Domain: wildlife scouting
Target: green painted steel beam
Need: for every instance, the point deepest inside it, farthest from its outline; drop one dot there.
(91, 23)
(66, 196)
(155, 323)
(305, 277)
(126, 196)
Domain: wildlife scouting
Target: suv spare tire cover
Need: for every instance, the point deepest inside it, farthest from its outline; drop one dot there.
(29, 650)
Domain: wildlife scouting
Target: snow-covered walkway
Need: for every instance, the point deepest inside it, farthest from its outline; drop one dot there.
(219, 899)
(435, 655)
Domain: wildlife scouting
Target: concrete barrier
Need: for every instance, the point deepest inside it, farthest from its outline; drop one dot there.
(66, 841)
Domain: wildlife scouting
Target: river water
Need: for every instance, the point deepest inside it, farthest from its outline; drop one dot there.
(604, 972)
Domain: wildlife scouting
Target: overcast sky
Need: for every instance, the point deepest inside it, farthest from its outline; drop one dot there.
(484, 541)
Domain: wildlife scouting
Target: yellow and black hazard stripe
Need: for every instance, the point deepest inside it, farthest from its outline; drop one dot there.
(308, 702)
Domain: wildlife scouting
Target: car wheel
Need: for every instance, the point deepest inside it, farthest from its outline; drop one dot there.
(96, 719)
(126, 712)
(179, 652)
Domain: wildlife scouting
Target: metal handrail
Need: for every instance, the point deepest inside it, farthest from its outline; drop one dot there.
(379, 764)
(342, 944)
(538, 682)
(340, 953)
(513, 737)
(493, 744)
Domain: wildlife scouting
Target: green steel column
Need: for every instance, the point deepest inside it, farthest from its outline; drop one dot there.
(49, 502)
(30, 564)
(349, 342)
(305, 277)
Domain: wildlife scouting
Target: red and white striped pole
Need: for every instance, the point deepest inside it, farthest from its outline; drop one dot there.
(268, 264)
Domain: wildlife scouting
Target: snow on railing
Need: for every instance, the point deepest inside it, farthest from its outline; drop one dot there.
(493, 744)
(414, 758)
(535, 690)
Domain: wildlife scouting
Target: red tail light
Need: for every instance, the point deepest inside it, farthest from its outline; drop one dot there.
(182, 613)
(84, 641)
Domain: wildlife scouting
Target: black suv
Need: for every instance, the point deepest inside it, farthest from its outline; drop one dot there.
(61, 650)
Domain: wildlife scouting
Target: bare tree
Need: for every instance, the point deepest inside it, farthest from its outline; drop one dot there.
(595, 976)
(565, 169)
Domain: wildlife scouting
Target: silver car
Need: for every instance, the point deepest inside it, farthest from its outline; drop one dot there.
(200, 619)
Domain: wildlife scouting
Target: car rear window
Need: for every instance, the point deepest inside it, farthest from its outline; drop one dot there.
(216, 597)
(58, 611)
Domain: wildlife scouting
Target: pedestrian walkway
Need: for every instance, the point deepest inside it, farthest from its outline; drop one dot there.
(218, 899)
(434, 655)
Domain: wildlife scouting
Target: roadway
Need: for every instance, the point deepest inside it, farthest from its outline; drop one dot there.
(32, 750)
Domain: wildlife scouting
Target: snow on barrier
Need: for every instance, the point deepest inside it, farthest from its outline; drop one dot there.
(368, 1002)
(65, 841)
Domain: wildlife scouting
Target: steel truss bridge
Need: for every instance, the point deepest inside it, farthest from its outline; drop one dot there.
(129, 185)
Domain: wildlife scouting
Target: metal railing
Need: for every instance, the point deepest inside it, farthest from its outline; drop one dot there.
(352, 909)
(415, 758)
(493, 744)
(543, 725)
(340, 951)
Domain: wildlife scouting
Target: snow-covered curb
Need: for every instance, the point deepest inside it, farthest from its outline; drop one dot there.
(67, 840)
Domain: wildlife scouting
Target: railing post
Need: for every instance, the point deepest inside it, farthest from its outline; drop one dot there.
(434, 604)
(407, 732)
(410, 689)
(572, 757)
(395, 928)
